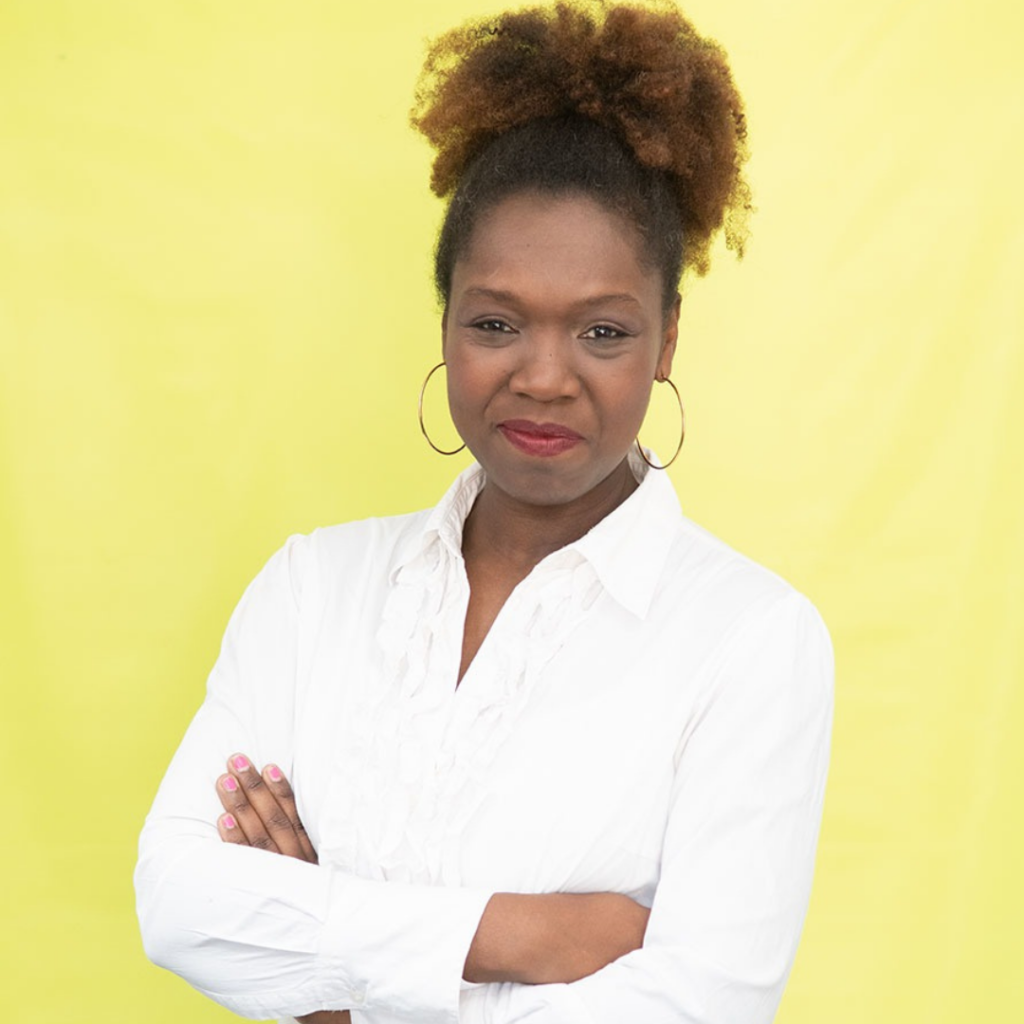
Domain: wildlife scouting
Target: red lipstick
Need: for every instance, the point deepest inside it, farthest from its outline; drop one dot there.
(542, 439)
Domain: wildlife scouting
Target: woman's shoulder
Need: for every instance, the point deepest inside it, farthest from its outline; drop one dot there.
(754, 625)
(724, 581)
(368, 538)
(348, 555)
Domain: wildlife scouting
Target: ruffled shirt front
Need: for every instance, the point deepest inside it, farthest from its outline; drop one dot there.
(648, 714)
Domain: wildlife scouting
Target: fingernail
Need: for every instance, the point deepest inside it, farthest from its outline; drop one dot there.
(229, 822)
(229, 783)
(275, 773)
(241, 763)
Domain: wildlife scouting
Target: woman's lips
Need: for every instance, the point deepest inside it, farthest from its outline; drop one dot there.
(539, 438)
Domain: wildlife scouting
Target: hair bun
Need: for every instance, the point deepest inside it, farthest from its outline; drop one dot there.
(643, 72)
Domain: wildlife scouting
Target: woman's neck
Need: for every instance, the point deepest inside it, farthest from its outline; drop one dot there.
(521, 535)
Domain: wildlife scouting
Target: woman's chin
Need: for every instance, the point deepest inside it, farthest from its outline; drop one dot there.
(553, 481)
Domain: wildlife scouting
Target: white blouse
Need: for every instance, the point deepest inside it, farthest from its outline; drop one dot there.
(649, 714)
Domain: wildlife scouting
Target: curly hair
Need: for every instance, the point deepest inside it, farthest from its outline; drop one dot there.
(623, 103)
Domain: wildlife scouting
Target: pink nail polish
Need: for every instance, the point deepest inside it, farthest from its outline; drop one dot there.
(275, 773)
(229, 783)
(229, 822)
(240, 763)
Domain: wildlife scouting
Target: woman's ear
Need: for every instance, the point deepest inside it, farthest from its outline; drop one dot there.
(670, 335)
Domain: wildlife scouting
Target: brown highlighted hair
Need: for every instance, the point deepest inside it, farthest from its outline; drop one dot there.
(625, 104)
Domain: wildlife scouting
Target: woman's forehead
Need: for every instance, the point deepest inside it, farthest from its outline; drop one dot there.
(571, 244)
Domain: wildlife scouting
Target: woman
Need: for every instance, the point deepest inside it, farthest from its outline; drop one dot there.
(560, 753)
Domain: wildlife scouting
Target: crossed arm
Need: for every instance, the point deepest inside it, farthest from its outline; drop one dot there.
(526, 938)
(734, 871)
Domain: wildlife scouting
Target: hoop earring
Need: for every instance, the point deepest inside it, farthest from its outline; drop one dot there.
(682, 430)
(423, 428)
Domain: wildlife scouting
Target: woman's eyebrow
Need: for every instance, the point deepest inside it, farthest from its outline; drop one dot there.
(498, 295)
(491, 293)
(601, 300)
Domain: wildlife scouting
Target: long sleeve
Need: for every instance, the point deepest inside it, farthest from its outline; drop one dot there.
(739, 848)
(262, 934)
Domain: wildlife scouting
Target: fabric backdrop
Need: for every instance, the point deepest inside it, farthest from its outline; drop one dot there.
(215, 312)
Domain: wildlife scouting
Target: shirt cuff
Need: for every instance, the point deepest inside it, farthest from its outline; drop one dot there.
(397, 947)
(549, 1004)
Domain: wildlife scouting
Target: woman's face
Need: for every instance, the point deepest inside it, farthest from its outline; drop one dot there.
(553, 335)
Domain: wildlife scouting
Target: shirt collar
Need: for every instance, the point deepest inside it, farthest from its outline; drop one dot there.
(443, 526)
(627, 549)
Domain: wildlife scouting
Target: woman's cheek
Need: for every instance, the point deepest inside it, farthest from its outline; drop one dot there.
(467, 401)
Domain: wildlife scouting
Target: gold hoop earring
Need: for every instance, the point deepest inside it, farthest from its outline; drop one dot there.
(682, 430)
(423, 428)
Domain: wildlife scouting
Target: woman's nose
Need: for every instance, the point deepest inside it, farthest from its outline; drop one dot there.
(545, 369)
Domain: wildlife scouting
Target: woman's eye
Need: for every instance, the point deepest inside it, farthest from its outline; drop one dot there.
(604, 332)
(492, 326)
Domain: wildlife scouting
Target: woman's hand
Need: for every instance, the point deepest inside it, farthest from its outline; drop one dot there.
(553, 937)
(259, 810)
(529, 938)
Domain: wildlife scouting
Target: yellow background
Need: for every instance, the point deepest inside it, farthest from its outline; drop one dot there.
(215, 312)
